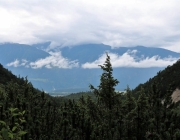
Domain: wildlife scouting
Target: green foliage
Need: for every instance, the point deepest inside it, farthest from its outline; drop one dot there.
(77, 96)
(165, 78)
(29, 114)
(13, 130)
(106, 90)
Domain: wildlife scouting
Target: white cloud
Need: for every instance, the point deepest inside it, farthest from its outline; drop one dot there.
(17, 63)
(14, 63)
(117, 23)
(24, 62)
(54, 60)
(129, 59)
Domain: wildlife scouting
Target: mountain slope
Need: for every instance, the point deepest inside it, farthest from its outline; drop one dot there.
(6, 76)
(91, 52)
(165, 79)
(85, 53)
(77, 79)
(10, 52)
(26, 113)
(16, 85)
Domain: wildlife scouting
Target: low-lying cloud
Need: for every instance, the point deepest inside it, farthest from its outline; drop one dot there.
(17, 63)
(54, 60)
(129, 59)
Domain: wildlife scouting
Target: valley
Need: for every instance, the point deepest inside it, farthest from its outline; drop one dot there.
(43, 65)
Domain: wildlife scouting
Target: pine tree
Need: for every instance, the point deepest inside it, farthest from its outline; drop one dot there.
(106, 91)
(129, 113)
(141, 116)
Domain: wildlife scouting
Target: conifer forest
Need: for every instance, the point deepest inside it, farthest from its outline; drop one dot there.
(144, 113)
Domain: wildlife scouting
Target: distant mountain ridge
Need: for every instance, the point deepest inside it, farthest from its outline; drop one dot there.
(84, 51)
(77, 78)
(9, 52)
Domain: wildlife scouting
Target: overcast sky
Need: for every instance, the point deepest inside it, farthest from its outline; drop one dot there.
(117, 23)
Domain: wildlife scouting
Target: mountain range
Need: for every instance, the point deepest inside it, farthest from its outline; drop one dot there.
(72, 68)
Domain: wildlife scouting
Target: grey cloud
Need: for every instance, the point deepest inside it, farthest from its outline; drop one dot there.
(116, 23)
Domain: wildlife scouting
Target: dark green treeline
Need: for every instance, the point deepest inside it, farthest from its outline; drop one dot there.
(29, 114)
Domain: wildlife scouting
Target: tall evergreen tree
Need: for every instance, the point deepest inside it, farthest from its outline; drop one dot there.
(106, 91)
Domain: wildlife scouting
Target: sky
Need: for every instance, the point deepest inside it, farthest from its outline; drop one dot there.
(150, 23)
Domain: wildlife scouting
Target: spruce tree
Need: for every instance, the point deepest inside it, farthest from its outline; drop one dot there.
(106, 91)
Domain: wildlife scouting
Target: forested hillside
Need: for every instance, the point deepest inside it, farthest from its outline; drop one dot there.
(165, 79)
(7, 76)
(29, 114)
